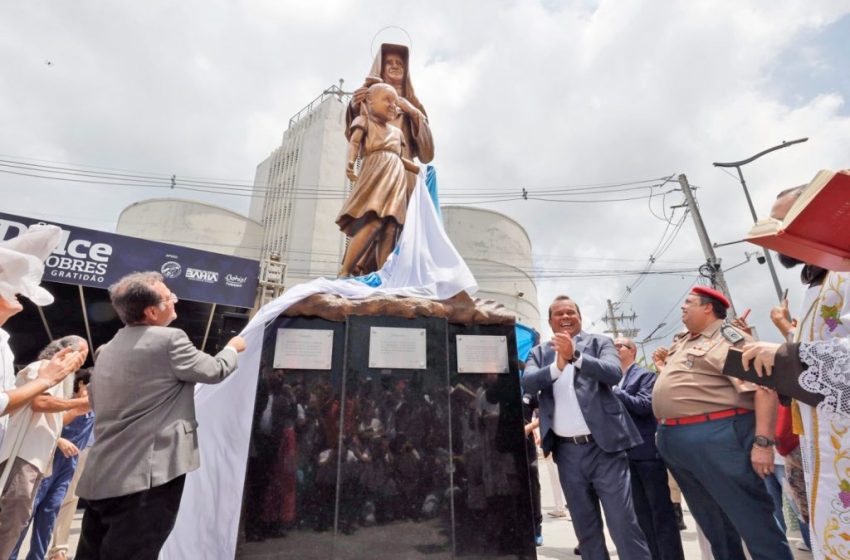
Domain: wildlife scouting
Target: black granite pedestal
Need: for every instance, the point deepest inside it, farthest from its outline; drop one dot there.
(355, 462)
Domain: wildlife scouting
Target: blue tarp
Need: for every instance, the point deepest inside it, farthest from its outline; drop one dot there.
(526, 339)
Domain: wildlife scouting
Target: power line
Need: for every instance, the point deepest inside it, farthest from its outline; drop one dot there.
(87, 174)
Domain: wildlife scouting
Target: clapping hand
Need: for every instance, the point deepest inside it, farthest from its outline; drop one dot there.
(63, 363)
(563, 344)
(659, 357)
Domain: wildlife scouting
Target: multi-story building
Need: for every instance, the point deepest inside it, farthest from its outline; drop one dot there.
(299, 189)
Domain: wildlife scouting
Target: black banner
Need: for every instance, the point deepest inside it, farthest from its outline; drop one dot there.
(97, 259)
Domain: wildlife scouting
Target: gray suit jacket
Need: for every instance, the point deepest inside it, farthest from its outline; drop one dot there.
(142, 394)
(609, 423)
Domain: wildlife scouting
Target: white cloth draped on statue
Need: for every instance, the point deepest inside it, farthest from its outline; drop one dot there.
(426, 265)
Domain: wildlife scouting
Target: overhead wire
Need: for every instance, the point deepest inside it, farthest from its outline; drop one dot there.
(577, 193)
(87, 174)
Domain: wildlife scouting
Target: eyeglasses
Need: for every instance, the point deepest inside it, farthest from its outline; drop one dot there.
(621, 345)
(171, 298)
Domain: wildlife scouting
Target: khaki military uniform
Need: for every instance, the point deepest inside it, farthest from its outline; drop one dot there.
(710, 457)
(692, 381)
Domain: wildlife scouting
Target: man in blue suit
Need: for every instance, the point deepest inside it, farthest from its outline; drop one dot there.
(587, 428)
(650, 491)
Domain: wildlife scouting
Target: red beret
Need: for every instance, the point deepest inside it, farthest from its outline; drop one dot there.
(711, 293)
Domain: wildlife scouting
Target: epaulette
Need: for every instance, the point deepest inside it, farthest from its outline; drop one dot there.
(731, 334)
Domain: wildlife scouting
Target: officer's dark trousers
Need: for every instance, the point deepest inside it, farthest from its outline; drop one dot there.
(711, 463)
(589, 476)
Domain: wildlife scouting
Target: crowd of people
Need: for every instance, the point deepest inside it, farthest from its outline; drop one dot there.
(129, 460)
(737, 450)
(123, 435)
(376, 450)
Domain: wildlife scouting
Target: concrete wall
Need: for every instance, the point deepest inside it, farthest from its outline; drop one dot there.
(498, 251)
(192, 224)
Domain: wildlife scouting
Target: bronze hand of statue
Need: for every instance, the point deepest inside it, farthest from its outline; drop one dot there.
(349, 172)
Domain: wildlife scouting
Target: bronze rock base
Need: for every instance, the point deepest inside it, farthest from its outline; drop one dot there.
(460, 309)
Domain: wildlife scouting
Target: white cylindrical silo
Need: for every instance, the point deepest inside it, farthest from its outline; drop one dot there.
(192, 224)
(498, 251)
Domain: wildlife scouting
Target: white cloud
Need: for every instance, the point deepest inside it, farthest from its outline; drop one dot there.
(520, 94)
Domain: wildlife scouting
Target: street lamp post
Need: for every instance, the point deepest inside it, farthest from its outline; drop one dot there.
(737, 165)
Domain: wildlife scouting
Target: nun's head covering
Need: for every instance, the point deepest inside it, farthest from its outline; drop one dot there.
(22, 263)
(378, 68)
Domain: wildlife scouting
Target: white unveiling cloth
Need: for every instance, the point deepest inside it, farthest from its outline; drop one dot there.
(425, 265)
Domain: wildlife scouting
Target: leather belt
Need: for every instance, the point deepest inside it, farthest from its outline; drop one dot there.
(700, 418)
(577, 440)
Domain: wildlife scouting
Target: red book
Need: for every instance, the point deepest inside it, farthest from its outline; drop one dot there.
(817, 227)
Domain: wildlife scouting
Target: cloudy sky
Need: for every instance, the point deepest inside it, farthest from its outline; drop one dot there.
(542, 95)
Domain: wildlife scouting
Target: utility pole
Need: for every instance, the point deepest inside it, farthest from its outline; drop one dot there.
(715, 273)
(611, 317)
(611, 320)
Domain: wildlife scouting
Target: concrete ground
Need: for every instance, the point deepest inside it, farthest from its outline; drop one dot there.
(558, 536)
(73, 537)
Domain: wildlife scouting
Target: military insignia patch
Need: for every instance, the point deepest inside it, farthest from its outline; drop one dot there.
(730, 334)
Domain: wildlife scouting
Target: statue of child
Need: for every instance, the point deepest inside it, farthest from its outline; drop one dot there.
(373, 216)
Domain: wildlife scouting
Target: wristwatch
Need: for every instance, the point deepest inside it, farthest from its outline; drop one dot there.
(576, 356)
(762, 441)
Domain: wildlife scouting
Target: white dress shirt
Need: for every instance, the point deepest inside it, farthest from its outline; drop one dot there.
(568, 420)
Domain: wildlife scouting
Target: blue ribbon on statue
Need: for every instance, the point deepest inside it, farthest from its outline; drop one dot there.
(373, 279)
(431, 183)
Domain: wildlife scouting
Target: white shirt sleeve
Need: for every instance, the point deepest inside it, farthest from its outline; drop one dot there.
(556, 373)
(577, 363)
(4, 402)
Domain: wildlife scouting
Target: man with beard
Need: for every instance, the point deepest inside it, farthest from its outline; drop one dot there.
(825, 442)
(587, 428)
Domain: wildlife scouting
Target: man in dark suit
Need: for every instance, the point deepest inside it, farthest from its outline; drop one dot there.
(650, 491)
(146, 439)
(587, 428)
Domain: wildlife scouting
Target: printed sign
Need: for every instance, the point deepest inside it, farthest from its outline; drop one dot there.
(96, 259)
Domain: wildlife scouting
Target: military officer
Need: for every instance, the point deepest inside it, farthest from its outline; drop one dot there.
(715, 433)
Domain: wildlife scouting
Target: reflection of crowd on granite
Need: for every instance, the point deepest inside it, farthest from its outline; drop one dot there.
(392, 463)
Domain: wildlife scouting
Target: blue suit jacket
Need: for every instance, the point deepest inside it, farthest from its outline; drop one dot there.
(636, 394)
(609, 423)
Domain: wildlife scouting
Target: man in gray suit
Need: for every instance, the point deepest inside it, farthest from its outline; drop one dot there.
(586, 427)
(142, 394)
